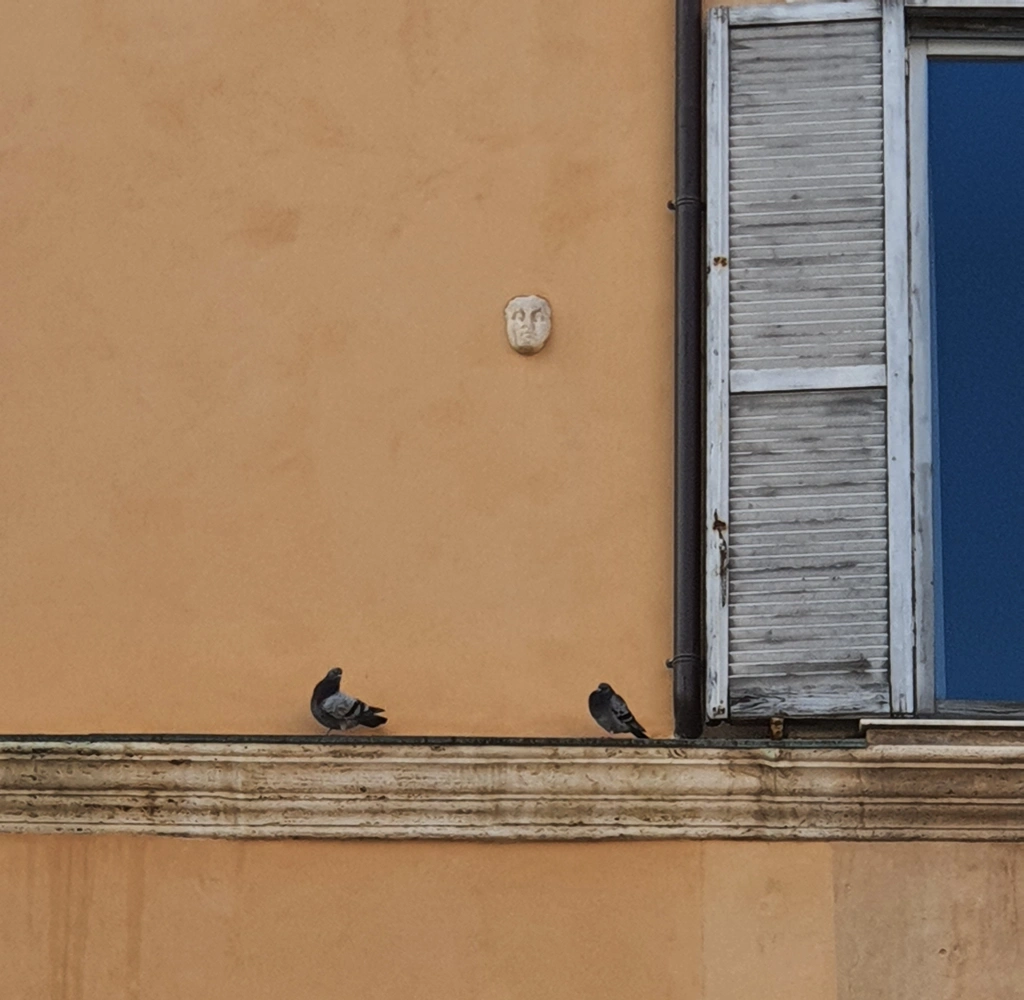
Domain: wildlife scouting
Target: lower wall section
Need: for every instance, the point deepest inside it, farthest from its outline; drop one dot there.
(142, 917)
(935, 921)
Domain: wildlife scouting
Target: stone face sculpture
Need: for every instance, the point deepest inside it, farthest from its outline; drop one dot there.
(528, 323)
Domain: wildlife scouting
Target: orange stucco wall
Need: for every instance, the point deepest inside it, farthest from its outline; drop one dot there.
(136, 917)
(257, 411)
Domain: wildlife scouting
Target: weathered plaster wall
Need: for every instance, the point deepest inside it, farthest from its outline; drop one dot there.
(258, 415)
(127, 917)
(943, 921)
(116, 917)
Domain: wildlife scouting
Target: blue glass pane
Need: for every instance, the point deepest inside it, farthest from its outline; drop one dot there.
(976, 179)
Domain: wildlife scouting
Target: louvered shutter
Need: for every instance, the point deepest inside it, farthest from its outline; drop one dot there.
(808, 493)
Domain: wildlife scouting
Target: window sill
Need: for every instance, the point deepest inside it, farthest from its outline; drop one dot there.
(883, 788)
(940, 728)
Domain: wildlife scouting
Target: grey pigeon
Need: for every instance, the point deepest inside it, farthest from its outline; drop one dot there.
(332, 708)
(610, 712)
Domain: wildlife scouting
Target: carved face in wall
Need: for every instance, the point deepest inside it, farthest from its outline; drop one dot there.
(528, 323)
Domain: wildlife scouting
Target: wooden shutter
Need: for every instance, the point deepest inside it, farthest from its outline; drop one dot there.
(808, 495)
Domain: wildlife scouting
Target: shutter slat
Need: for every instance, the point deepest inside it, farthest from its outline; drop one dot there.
(810, 357)
(804, 281)
(793, 237)
(796, 661)
(859, 168)
(851, 692)
(827, 588)
(837, 611)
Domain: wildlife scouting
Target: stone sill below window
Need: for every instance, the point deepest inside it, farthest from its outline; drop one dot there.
(905, 780)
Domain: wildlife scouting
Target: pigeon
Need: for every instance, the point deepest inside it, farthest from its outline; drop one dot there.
(610, 712)
(334, 709)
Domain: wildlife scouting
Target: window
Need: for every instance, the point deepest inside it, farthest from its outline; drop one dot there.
(830, 252)
(967, 117)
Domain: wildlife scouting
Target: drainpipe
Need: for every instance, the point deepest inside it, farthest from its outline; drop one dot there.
(687, 661)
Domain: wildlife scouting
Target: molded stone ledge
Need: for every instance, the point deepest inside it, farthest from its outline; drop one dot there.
(207, 788)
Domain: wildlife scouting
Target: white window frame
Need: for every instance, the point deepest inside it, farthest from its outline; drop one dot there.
(927, 561)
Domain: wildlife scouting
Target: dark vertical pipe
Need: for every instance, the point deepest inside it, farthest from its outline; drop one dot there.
(686, 662)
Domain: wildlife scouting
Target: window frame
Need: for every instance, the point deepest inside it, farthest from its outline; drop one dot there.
(911, 31)
(927, 558)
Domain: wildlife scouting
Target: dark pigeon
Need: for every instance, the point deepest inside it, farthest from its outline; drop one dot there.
(332, 708)
(611, 713)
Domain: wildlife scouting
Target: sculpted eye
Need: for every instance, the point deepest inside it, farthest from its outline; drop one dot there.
(519, 315)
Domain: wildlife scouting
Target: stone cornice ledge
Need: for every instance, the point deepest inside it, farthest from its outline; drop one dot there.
(879, 790)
